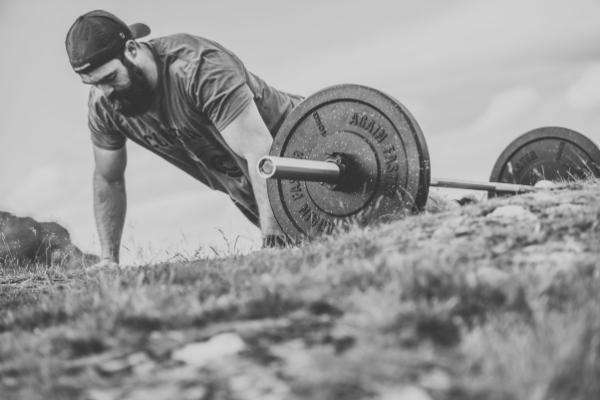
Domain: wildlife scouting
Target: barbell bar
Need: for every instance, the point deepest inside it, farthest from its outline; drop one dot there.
(332, 172)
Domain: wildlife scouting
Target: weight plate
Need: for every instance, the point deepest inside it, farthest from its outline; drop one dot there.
(549, 153)
(383, 150)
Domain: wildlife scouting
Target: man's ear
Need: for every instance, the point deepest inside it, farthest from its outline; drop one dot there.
(131, 49)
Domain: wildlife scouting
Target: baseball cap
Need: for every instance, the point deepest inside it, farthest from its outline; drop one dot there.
(97, 37)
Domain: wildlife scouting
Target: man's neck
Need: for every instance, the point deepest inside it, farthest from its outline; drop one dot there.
(148, 65)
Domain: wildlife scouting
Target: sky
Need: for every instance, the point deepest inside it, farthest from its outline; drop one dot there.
(475, 74)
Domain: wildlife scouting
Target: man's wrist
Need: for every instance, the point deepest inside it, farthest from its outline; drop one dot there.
(110, 258)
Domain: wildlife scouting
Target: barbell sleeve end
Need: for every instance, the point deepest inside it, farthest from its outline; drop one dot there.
(265, 167)
(299, 169)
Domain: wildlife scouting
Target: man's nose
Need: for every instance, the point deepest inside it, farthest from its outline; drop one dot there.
(106, 89)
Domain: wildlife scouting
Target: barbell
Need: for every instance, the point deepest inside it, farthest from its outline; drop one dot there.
(350, 154)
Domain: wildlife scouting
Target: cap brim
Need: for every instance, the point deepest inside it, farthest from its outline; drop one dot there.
(139, 30)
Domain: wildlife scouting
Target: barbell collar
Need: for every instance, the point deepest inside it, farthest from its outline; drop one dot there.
(299, 169)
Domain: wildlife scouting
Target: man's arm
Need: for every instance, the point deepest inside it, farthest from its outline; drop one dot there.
(110, 200)
(248, 136)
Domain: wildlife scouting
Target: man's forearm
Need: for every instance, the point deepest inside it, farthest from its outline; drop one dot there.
(110, 204)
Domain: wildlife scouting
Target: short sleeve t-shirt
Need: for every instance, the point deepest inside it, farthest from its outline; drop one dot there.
(202, 87)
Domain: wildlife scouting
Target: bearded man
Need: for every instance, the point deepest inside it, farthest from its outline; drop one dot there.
(185, 98)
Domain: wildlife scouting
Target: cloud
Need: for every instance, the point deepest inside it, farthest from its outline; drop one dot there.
(504, 108)
(39, 188)
(468, 40)
(470, 150)
(584, 93)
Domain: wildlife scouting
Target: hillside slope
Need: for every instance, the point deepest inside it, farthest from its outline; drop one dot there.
(496, 300)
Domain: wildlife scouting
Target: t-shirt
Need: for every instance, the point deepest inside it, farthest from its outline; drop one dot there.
(202, 87)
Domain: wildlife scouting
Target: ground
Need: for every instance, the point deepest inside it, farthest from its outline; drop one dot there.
(494, 300)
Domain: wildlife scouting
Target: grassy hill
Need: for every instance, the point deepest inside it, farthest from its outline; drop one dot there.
(496, 300)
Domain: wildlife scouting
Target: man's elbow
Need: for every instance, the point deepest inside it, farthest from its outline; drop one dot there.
(113, 178)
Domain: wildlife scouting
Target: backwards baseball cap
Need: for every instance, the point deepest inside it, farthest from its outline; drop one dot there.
(97, 37)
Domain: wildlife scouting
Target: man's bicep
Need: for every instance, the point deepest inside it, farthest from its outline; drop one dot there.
(110, 164)
(106, 139)
(105, 132)
(247, 133)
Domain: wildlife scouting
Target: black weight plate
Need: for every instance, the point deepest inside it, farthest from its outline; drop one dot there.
(549, 153)
(382, 146)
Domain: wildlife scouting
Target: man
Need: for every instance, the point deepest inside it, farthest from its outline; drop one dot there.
(185, 98)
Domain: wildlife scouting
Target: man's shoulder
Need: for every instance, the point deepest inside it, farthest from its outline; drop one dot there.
(95, 96)
(185, 55)
(96, 100)
(100, 110)
(184, 45)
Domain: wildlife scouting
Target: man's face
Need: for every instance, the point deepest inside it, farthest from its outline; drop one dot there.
(123, 84)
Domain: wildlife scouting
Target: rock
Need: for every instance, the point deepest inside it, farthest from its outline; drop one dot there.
(25, 240)
(200, 354)
(101, 394)
(293, 352)
(405, 393)
(544, 184)
(161, 344)
(512, 212)
(248, 380)
(158, 392)
(10, 381)
(136, 361)
(490, 277)
(436, 379)
(565, 210)
(438, 202)
(451, 228)
(194, 393)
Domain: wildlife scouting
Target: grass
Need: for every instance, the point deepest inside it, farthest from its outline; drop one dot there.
(452, 304)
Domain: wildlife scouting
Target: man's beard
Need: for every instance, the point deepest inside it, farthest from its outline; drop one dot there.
(137, 97)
